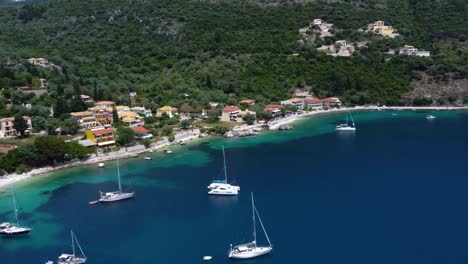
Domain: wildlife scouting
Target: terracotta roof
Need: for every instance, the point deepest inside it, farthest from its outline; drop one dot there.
(140, 130)
(102, 131)
(231, 108)
(312, 100)
(274, 106)
(84, 96)
(10, 119)
(247, 101)
(295, 100)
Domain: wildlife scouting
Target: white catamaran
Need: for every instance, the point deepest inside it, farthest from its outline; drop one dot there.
(117, 195)
(72, 258)
(251, 250)
(346, 126)
(222, 187)
(9, 229)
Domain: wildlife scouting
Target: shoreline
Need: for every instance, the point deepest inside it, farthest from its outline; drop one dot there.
(123, 153)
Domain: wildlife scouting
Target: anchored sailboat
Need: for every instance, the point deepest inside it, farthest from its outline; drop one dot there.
(251, 250)
(222, 187)
(346, 126)
(72, 258)
(8, 229)
(117, 195)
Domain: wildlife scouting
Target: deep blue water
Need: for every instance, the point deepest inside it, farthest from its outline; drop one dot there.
(395, 191)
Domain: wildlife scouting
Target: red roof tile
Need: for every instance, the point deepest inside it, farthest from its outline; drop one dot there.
(231, 108)
(274, 106)
(140, 130)
(331, 99)
(102, 131)
(312, 100)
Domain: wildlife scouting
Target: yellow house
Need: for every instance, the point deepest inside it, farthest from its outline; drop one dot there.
(379, 28)
(102, 137)
(167, 110)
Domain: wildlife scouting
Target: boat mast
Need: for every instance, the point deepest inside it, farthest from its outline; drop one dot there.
(14, 206)
(253, 218)
(260, 220)
(351, 118)
(225, 170)
(78, 243)
(118, 174)
(73, 241)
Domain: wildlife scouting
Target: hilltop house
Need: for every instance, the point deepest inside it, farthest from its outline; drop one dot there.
(412, 51)
(379, 28)
(101, 136)
(86, 98)
(7, 129)
(168, 111)
(39, 62)
(43, 83)
(230, 113)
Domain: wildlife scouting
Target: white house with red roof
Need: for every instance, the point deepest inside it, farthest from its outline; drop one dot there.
(142, 133)
(230, 113)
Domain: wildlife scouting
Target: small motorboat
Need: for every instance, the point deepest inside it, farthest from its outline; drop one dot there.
(101, 165)
(93, 202)
(430, 117)
(167, 151)
(207, 258)
(147, 158)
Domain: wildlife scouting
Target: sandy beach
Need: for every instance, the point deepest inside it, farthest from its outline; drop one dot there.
(190, 135)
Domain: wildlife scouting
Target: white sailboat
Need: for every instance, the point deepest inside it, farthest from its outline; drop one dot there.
(222, 187)
(9, 229)
(117, 195)
(72, 258)
(430, 117)
(346, 126)
(251, 250)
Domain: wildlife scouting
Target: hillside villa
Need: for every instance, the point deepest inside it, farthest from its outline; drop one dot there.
(39, 62)
(274, 109)
(104, 104)
(7, 129)
(379, 28)
(168, 111)
(412, 51)
(86, 98)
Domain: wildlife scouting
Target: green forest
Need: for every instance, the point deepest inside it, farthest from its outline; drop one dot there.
(218, 51)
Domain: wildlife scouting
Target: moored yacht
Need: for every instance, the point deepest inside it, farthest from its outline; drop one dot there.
(251, 250)
(346, 126)
(222, 187)
(117, 195)
(9, 229)
(72, 258)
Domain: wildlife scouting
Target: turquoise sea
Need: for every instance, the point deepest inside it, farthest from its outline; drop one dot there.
(395, 191)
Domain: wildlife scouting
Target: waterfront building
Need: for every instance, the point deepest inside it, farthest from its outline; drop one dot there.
(230, 113)
(101, 136)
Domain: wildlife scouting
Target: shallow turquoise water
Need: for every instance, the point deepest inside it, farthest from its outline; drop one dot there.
(393, 192)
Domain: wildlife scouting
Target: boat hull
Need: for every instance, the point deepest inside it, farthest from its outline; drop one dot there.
(116, 197)
(223, 193)
(74, 261)
(15, 233)
(345, 129)
(251, 253)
